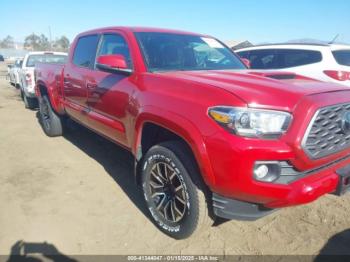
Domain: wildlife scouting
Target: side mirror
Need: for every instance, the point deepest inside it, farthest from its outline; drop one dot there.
(113, 63)
(246, 62)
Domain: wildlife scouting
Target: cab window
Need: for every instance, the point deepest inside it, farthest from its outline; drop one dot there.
(115, 44)
(85, 51)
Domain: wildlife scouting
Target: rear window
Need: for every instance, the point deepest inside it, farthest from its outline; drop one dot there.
(280, 58)
(85, 51)
(45, 58)
(342, 57)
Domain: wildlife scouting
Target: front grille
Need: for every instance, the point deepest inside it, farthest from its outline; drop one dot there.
(325, 135)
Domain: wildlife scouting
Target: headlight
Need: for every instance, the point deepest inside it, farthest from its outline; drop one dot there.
(251, 122)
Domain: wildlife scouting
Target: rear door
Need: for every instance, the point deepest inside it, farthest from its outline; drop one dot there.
(76, 73)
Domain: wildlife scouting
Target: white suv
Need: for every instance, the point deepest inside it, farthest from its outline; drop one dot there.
(26, 73)
(324, 62)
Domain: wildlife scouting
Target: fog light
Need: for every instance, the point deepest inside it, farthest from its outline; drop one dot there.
(267, 171)
(261, 171)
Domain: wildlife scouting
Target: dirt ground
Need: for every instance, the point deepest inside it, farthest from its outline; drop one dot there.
(77, 193)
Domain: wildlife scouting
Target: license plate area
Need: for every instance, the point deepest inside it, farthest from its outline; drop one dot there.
(344, 180)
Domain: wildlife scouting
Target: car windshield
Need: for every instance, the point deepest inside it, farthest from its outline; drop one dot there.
(45, 58)
(173, 52)
(342, 57)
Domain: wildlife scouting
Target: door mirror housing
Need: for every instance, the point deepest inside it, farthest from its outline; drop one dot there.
(246, 62)
(113, 63)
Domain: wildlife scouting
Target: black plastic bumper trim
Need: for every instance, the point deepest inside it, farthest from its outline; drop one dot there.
(344, 181)
(234, 209)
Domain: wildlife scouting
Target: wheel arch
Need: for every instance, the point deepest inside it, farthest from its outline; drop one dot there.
(174, 127)
(42, 88)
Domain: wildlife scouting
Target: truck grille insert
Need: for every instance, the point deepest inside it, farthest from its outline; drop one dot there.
(326, 134)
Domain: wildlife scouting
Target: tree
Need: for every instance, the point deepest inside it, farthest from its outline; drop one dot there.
(44, 43)
(61, 44)
(32, 42)
(7, 42)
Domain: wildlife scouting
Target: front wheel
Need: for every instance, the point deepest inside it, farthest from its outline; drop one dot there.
(173, 190)
(51, 122)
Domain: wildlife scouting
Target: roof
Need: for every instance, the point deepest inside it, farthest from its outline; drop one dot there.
(141, 29)
(307, 46)
(46, 52)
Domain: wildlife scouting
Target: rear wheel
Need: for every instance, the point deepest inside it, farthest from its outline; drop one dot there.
(51, 122)
(173, 191)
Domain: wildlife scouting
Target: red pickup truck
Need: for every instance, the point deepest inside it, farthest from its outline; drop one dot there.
(210, 138)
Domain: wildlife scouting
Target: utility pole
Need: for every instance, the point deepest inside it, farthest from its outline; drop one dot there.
(50, 36)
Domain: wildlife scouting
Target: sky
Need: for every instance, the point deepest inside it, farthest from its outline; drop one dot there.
(253, 20)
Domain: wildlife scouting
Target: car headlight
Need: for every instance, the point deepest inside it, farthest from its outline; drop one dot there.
(249, 122)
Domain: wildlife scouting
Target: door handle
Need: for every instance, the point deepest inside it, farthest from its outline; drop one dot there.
(67, 83)
(91, 85)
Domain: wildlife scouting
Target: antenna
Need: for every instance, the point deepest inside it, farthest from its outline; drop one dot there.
(335, 38)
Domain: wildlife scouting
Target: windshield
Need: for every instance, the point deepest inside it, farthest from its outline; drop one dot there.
(172, 52)
(342, 57)
(45, 58)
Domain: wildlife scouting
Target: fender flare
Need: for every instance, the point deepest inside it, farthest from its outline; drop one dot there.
(183, 128)
(52, 94)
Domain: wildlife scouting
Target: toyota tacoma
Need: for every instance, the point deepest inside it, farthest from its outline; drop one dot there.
(210, 137)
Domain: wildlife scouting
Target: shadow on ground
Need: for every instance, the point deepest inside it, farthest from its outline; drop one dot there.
(36, 252)
(337, 248)
(118, 162)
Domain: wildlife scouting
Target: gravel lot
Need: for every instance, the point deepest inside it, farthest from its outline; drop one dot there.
(77, 193)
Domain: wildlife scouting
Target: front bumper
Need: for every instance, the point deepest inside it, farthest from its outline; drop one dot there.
(233, 169)
(229, 208)
(232, 160)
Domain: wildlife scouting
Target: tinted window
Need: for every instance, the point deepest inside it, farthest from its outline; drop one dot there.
(85, 51)
(114, 44)
(45, 58)
(342, 57)
(243, 54)
(168, 52)
(281, 58)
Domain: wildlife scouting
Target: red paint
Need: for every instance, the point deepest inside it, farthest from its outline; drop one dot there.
(114, 61)
(246, 62)
(118, 105)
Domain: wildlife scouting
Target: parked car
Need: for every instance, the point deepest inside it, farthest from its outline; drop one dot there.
(2, 58)
(26, 73)
(9, 66)
(209, 137)
(324, 62)
(13, 72)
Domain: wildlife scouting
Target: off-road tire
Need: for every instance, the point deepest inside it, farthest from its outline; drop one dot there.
(51, 122)
(195, 217)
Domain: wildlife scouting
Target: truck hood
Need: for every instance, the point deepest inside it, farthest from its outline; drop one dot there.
(259, 91)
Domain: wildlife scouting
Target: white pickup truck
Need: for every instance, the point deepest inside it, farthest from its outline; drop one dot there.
(26, 73)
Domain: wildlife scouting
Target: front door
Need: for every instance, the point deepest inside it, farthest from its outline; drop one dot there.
(109, 93)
